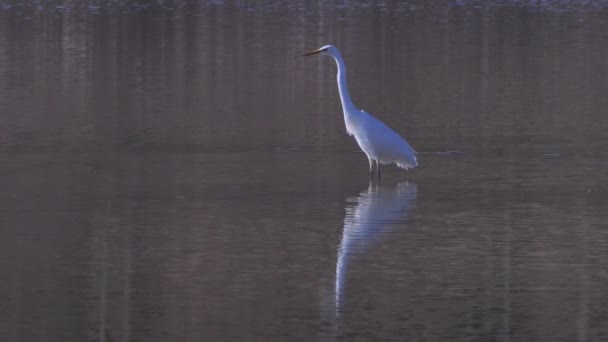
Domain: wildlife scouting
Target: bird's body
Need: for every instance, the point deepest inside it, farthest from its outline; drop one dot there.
(378, 141)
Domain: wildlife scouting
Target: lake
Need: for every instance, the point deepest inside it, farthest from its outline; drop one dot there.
(175, 171)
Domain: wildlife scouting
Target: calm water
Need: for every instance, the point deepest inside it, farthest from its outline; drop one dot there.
(173, 171)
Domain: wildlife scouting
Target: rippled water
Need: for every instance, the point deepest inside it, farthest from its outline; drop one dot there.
(173, 171)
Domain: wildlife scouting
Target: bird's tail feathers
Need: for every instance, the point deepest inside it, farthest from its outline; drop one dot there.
(408, 164)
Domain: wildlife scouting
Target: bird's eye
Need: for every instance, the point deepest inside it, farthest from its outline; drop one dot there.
(323, 50)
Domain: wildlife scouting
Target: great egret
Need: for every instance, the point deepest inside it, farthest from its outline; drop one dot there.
(379, 142)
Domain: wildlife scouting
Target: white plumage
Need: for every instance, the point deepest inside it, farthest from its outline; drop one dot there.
(379, 142)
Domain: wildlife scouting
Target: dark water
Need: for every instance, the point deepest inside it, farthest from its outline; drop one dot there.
(172, 171)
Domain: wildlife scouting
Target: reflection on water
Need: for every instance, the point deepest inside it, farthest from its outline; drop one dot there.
(370, 215)
(172, 171)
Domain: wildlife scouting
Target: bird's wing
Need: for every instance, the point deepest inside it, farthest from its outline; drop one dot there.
(388, 143)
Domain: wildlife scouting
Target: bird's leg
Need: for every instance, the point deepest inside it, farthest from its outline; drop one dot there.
(371, 168)
(378, 169)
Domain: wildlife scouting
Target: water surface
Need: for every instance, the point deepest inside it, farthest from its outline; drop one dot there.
(173, 171)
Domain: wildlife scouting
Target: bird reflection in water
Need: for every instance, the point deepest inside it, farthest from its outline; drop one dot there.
(370, 215)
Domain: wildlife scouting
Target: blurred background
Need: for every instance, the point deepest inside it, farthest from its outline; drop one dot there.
(175, 171)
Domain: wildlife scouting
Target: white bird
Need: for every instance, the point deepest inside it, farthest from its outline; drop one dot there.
(378, 141)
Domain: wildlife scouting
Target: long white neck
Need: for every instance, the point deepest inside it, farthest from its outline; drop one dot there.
(347, 104)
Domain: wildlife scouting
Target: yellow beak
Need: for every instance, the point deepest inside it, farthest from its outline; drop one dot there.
(313, 52)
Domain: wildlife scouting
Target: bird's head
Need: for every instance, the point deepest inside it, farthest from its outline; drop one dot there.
(327, 50)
